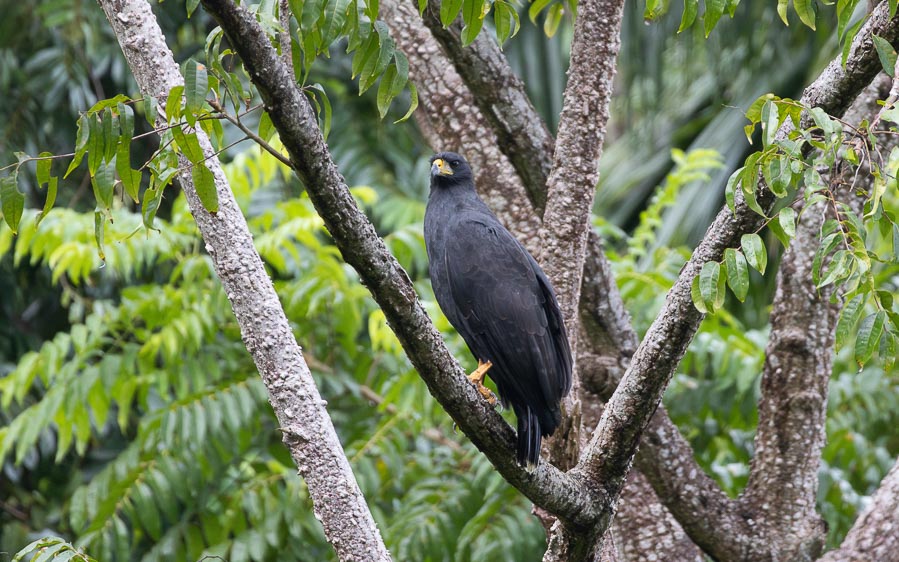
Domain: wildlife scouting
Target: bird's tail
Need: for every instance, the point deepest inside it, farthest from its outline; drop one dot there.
(529, 438)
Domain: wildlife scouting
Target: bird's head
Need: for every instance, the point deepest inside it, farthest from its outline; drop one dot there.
(449, 169)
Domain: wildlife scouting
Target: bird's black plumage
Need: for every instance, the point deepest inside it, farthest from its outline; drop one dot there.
(500, 301)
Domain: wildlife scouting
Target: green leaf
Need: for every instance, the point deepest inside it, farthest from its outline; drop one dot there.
(130, 177)
(473, 12)
(191, 6)
(749, 182)
(95, 145)
(696, 296)
(149, 207)
(691, 9)
(886, 54)
(535, 9)
(449, 9)
(714, 9)
(845, 9)
(787, 220)
(196, 84)
(44, 163)
(782, 11)
(553, 19)
(110, 134)
(838, 268)
(204, 183)
(376, 66)
(147, 512)
(371, 9)
(505, 20)
(710, 286)
(334, 18)
(99, 233)
(732, 7)
(769, 123)
(103, 183)
(326, 106)
(754, 250)
(655, 9)
(737, 273)
(847, 42)
(173, 104)
(384, 89)
(392, 83)
(868, 337)
(188, 145)
(775, 174)
(413, 95)
(12, 201)
(52, 188)
(849, 318)
(150, 110)
(805, 9)
(266, 128)
(80, 144)
(729, 189)
(366, 51)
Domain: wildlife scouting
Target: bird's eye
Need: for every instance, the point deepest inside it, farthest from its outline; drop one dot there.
(454, 163)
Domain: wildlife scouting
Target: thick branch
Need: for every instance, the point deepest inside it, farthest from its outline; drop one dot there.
(875, 534)
(783, 480)
(365, 251)
(501, 96)
(609, 455)
(582, 128)
(301, 412)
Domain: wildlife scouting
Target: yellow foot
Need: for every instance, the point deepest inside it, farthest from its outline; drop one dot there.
(477, 378)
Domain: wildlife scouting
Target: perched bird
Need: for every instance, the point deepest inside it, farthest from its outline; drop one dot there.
(500, 301)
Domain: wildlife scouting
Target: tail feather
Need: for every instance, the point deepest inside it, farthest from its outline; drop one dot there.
(529, 438)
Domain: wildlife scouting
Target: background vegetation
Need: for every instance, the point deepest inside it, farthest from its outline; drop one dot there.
(132, 421)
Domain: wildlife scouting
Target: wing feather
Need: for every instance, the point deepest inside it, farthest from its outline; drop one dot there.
(506, 312)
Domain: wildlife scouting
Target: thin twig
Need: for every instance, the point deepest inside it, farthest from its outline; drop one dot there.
(250, 134)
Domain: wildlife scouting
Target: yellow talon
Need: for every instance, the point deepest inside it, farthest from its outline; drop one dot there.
(477, 378)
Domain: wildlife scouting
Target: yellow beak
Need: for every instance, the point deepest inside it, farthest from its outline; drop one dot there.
(440, 167)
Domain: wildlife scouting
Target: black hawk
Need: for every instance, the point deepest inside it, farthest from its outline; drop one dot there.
(500, 301)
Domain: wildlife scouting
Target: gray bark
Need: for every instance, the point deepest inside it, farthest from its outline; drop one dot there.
(356, 238)
(582, 127)
(781, 494)
(308, 431)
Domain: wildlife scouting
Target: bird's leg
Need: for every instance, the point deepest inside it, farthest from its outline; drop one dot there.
(477, 378)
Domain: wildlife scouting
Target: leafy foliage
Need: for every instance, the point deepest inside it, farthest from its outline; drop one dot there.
(152, 394)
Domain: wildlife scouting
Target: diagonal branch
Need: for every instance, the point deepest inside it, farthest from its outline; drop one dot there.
(308, 431)
(783, 479)
(361, 248)
(608, 457)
